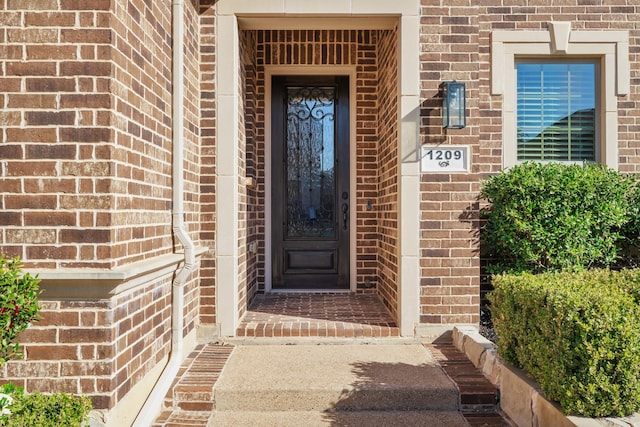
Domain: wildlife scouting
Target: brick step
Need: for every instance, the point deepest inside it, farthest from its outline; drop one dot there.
(477, 394)
(339, 418)
(494, 419)
(190, 399)
(201, 373)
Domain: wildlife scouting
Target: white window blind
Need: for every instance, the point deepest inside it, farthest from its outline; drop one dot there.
(556, 111)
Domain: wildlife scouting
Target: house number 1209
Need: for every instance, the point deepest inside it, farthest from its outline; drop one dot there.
(444, 155)
(443, 158)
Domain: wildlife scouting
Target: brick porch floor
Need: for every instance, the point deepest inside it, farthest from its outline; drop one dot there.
(317, 315)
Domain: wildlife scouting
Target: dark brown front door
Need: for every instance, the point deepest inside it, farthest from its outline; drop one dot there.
(310, 182)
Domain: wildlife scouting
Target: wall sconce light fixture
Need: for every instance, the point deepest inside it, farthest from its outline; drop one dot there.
(454, 105)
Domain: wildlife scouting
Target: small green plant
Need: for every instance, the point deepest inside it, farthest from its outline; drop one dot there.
(576, 333)
(18, 305)
(42, 410)
(18, 308)
(6, 399)
(555, 216)
(19, 294)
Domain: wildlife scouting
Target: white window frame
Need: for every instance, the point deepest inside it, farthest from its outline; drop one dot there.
(610, 48)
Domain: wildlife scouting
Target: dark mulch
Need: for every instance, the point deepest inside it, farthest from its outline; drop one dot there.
(486, 326)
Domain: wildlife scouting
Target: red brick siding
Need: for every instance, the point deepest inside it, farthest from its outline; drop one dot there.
(207, 160)
(143, 331)
(141, 152)
(86, 131)
(87, 181)
(254, 210)
(387, 169)
(595, 16)
(246, 222)
(71, 349)
(99, 348)
(54, 134)
(192, 149)
(367, 147)
(449, 209)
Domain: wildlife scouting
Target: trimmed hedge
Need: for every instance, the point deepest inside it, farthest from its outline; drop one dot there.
(577, 334)
(555, 216)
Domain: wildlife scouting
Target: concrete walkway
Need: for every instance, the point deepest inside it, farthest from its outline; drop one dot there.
(334, 385)
(340, 384)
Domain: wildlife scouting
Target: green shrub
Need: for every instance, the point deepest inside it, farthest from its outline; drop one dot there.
(630, 246)
(631, 283)
(18, 305)
(556, 216)
(577, 334)
(44, 410)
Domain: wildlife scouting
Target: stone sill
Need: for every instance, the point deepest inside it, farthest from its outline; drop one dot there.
(91, 284)
(520, 397)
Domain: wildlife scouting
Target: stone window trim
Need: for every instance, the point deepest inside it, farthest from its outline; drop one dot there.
(610, 48)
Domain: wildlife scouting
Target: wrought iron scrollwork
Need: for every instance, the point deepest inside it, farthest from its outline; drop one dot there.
(310, 162)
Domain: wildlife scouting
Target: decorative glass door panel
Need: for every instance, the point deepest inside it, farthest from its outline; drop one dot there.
(310, 176)
(310, 162)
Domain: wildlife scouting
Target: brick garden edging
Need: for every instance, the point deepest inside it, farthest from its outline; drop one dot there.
(520, 397)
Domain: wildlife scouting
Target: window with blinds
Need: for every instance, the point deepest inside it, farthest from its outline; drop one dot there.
(556, 111)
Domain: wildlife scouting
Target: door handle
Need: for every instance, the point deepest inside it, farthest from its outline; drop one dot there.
(345, 216)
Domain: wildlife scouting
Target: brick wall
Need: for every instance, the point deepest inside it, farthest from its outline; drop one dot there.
(86, 132)
(387, 169)
(70, 350)
(55, 130)
(456, 45)
(254, 209)
(595, 16)
(56, 178)
(85, 176)
(143, 177)
(449, 209)
(208, 159)
(141, 151)
(247, 267)
(192, 116)
(367, 148)
(85, 181)
(99, 348)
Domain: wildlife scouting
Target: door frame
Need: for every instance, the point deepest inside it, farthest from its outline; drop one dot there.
(349, 71)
